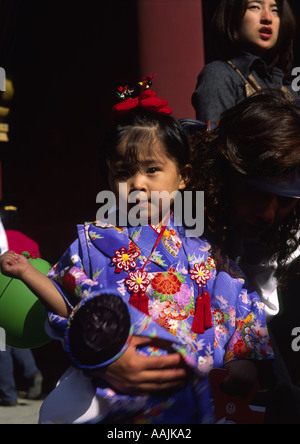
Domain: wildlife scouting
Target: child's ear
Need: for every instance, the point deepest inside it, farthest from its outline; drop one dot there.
(186, 174)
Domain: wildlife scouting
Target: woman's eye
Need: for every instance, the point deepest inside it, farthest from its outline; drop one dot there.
(253, 7)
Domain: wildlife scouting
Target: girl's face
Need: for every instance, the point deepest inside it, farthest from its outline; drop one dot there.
(154, 172)
(260, 26)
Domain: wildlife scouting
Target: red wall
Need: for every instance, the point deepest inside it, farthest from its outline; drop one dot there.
(66, 62)
(171, 44)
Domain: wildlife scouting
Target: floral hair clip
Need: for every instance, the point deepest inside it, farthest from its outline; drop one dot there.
(140, 97)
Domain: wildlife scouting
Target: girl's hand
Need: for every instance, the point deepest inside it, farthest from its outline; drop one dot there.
(17, 266)
(135, 374)
(14, 265)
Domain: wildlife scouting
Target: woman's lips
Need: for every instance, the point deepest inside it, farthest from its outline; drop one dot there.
(266, 32)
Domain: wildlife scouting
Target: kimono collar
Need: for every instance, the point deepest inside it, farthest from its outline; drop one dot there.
(108, 239)
(169, 247)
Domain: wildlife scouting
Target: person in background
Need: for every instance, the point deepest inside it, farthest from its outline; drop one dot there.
(254, 50)
(24, 359)
(12, 238)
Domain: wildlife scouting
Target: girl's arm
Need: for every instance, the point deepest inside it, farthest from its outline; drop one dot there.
(17, 266)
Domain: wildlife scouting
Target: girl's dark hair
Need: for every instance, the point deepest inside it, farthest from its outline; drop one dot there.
(258, 137)
(141, 129)
(98, 330)
(225, 31)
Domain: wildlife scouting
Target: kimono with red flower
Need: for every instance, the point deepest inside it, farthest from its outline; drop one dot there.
(208, 315)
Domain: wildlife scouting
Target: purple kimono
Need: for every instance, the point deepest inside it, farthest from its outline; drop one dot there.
(178, 271)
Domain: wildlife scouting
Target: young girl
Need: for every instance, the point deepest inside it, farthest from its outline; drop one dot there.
(254, 50)
(165, 284)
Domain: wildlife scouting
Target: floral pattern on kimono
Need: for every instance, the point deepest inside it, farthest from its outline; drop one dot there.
(103, 256)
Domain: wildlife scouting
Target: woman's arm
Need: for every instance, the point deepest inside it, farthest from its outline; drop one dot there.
(135, 374)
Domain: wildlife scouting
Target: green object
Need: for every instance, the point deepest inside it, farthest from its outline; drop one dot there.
(22, 315)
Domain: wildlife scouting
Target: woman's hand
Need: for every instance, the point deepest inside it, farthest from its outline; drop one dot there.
(135, 374)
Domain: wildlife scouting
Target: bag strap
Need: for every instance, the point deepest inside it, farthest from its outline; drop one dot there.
(251, 85)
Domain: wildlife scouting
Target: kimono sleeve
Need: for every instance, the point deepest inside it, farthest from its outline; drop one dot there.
(72, 281)
(70, 276)
(251, 338)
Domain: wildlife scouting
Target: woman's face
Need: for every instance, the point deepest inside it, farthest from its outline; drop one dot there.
(253, 212)
(260, 26)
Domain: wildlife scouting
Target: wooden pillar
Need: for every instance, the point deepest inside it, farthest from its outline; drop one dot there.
(171, 45)
(7, 93)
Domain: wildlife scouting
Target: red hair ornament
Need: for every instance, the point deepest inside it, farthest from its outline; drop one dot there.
(147, 99)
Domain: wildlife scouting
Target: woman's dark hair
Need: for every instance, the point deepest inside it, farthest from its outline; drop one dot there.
(225, 31)
(142, 128)
(258, 137)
